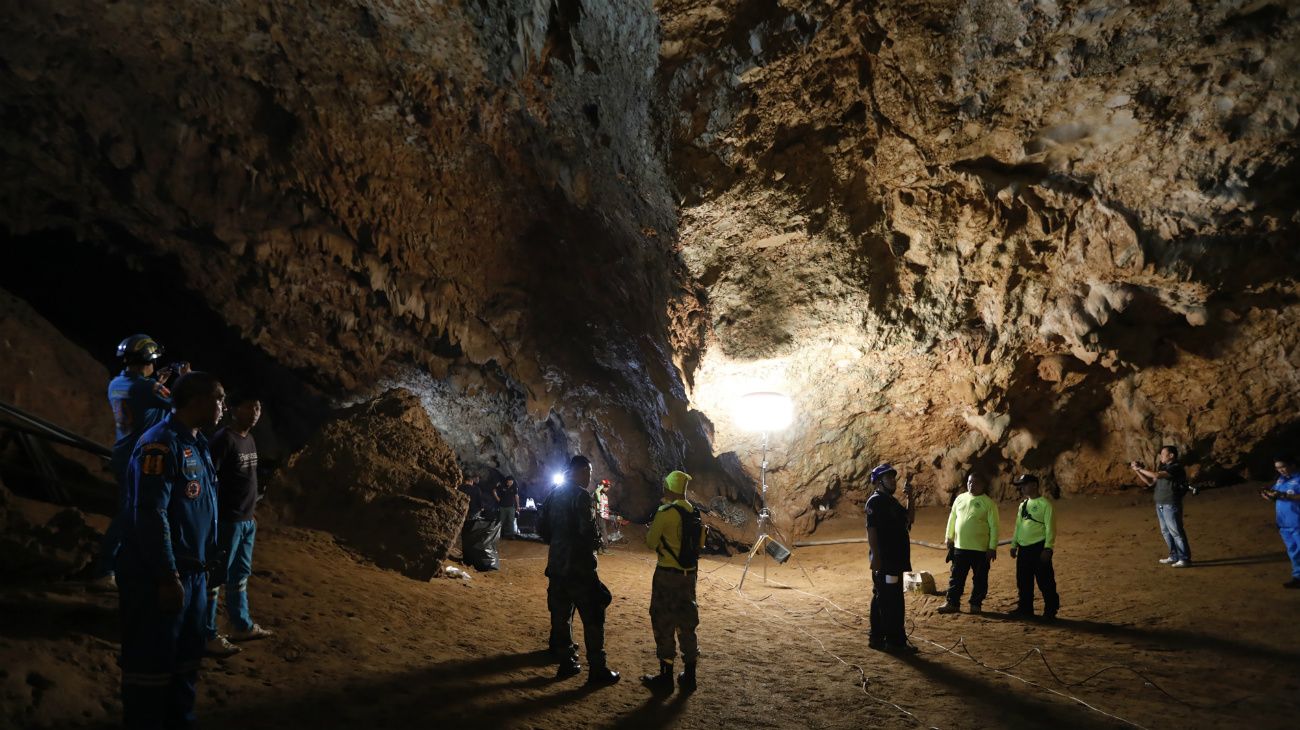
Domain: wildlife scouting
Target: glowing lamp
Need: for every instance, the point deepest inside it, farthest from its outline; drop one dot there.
(558, 478)
(764, 412)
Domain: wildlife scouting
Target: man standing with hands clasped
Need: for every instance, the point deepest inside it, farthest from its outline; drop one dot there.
(888, 523)
(1031, 547)
(972, 539)
(169, 541)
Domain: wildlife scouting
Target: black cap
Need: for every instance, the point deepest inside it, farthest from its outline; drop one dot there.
(1024, 479)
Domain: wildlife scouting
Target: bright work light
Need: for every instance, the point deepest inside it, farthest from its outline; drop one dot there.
(764, 412)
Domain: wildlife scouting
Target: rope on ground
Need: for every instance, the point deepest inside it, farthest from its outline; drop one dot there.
(862, 674)
(970, 657)
(1042, 656)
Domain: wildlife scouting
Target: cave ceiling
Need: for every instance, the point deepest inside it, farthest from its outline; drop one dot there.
(992, 234)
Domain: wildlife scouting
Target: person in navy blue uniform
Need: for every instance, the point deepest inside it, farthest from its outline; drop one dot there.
(139, 401)
(888, 523)
(169, 537)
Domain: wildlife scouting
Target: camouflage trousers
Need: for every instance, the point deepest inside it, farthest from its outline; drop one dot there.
(674, 614)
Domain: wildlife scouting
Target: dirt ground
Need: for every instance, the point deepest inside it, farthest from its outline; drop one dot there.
(1137, 644)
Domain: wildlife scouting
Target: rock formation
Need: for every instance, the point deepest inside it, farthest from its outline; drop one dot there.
(380, 477)
(960, 233)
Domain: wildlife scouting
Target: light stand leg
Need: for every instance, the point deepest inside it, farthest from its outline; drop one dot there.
(764, 517)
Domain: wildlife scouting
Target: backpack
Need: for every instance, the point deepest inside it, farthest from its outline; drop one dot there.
(692, 527)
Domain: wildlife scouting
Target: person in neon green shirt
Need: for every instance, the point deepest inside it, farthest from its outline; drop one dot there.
(1031, 546)
(972, 539)
(676, 535)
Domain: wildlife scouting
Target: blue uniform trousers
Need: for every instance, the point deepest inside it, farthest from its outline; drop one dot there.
(235, 541)
(160, 652)
(1291, 538)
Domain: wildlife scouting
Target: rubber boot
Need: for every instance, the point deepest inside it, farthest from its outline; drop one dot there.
(686, 680)
(661, 683)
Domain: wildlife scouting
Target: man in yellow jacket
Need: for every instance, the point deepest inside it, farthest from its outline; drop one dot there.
(972, 539)
(677, 534)
(1031, 547)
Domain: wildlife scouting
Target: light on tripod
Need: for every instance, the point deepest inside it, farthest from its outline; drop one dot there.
(764, 412)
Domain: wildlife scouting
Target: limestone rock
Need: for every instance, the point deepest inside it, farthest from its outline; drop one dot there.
(380, 477)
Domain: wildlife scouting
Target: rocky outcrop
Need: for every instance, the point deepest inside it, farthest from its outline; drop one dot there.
(381, 478)
(465, 198)
(995, 235)
(45, 374)
(38, 543)
(960, 233)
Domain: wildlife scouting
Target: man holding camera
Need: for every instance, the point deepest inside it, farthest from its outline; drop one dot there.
(888, 523)
(1285, 496)
(972, 539)
(1170, 486)
(139, 399)
(1031, 547)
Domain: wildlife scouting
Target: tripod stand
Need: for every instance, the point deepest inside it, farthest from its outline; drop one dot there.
(765, 542)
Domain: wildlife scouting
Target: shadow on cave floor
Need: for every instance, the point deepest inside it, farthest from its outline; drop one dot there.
(58, 610)
(1277, 557)
(481, 692)
(1163, 639)
(1014, 708)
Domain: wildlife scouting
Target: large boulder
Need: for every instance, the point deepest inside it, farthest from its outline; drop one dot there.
(381, 478)
(41, 542)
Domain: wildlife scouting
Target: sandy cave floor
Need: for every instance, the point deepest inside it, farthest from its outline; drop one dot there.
(361, 647)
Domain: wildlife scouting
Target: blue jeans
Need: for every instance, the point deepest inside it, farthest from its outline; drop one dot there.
(235, 541)
(1170, 517)
(1291, 538)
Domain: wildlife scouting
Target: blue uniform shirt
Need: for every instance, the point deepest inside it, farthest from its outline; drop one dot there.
(138, 404)
(1288, 513)
(170, 522)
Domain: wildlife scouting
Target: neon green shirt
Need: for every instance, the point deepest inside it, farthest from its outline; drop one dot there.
(667, 529)
(973, 523)
(1035, 522)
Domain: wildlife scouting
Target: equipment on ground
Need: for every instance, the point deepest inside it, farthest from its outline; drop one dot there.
(479, 544)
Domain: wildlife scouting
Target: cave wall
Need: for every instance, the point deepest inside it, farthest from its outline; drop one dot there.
(992, 234)
(986, 234)
(379, 192)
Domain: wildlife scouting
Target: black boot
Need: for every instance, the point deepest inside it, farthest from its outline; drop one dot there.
(569, 666)
(602, 676)
(686, 680)
(661, 683)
